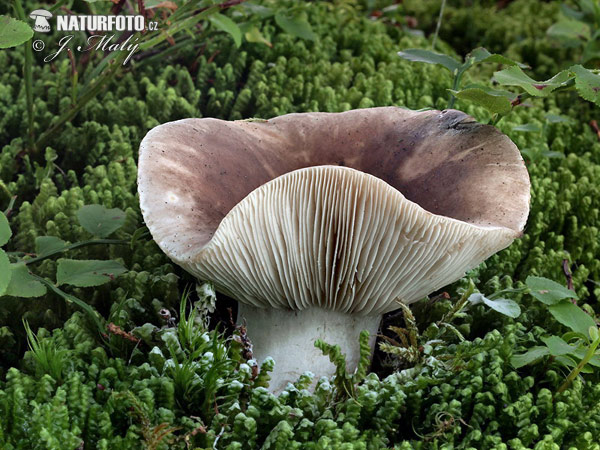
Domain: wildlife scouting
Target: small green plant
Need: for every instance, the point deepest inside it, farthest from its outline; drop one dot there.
(406, 349)
(155, 436)
(576, 349)
(291, 20)
(199, 363)
(501, 102)
(345, 383)
(536, 153)
(13, 33)
(17, 279)
(579, 28)
(413, 349)
(438, 25)
(494, 100)
(48, 357)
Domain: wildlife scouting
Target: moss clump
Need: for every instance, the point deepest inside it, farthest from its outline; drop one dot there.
(119, 395)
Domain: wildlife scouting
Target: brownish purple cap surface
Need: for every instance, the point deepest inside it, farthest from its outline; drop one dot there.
(347, 211)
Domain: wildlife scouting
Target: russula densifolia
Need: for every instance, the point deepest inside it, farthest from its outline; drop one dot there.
(318, 222)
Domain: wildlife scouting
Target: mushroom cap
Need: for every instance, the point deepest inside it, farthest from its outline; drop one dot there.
(347, 211)
(40, 12)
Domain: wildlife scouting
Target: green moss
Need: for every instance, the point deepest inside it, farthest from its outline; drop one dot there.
(479, 401)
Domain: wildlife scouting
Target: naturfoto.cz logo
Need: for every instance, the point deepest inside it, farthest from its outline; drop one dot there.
(100, 23)
(41, 17)
(93, 24)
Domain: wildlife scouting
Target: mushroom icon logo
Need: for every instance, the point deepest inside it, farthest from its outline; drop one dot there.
(41, 17)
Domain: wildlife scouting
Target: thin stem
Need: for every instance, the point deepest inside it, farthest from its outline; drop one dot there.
(74, 246)
(589, 355)
(507, 291)
(28, 75)
(9, 209)
(176, 27)
(458, 306)
(57, 5)
(439, 23)
(596, 16)
(456, 84)
(94, 315)
(497, 118)
(91, 92)
(5, 189)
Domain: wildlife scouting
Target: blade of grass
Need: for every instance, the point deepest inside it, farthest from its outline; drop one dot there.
(438, 25)
(91, 312)
(74, 246)
(28, 76)
(90, 93)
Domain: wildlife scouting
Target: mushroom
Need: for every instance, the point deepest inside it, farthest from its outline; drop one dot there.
(317, 223)
(41, 17)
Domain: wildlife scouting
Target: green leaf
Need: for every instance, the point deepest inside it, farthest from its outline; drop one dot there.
(498, 92)
(576, 356)
(5, 232)
(426, 56)
(99, 220)
(572, 316)
(591, 50)
(481, 54)
(92, 313)
(13, 32)
(587, 84)
(23, 284)
(45, 245)
(156, 357)
(5, 272)
(557, 346)
(514, 76)
(86, 273)
(528, 128)
(594, 334)
(145, 332)
(548, 291)
(254, 35)
(138, 234)
(549, 154)
(570, 12)
(569, 361)
(227, 25)
(532, 154)
(588, 7)
(296, 26)
(555, 118)
(572, 335)
(581, 353)
(503, 306)
(258, 10)
(570, 33)
(497, 104)
(531, 355)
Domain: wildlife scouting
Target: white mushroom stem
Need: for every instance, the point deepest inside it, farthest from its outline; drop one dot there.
(289, 336)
